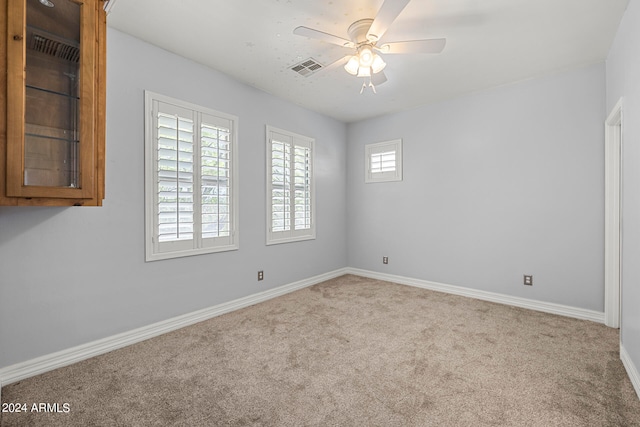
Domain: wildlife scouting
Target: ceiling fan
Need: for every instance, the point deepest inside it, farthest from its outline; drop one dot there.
(365, 36)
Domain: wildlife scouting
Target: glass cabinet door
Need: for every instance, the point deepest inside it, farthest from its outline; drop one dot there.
(51, 92)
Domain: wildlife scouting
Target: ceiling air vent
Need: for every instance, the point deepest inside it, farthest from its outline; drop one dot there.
(307, 67)
(54, 46)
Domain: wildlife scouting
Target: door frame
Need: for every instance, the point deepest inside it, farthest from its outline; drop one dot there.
(613, 217)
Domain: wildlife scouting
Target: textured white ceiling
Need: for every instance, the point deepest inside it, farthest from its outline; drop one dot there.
(489, 43)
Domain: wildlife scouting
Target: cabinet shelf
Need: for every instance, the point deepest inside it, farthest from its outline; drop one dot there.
(55, 138)
(52, 92)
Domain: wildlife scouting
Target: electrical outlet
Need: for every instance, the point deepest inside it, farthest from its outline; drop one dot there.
(528, 280)
(260, 275)
(385, 260)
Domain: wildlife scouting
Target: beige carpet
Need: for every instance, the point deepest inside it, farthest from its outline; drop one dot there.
(350, 352)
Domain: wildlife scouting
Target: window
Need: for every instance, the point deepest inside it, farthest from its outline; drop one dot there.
(191, 179)
(383, 161)
(290, 187)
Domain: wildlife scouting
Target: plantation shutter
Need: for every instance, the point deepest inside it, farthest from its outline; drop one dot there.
(302, 186)
(290, 187)
(384, 161)
(174, 177)
(193, 202)
(216, 186)
(280, 182)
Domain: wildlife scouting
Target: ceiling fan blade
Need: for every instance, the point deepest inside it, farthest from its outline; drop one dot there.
(386, 15)
(378, 78)
(414, 46)
(325, 37)
(337, 63)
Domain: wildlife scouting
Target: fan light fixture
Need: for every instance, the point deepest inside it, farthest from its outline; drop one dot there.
(365, 63)
(364, 72)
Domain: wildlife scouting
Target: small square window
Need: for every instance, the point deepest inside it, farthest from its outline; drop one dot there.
(383, 161)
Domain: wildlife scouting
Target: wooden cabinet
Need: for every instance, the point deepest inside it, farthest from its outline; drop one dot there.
(52, 119)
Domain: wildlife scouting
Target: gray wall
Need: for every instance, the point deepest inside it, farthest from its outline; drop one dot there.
(623, 80)
(497, 184)
(73, 275)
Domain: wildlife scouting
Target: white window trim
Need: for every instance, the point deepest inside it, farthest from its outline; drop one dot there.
(278, 237)
(151, 248)
(383, 147)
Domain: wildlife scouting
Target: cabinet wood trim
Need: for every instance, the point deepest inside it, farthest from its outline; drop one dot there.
(92, 127)
(16, 25)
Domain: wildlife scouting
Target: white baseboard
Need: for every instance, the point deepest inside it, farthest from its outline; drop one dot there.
(547, 307)
(49, 362)
(632, 371)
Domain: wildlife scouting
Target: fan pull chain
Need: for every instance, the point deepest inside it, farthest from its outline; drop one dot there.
(364, 86)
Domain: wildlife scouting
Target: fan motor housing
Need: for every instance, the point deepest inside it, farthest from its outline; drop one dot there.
(358, 31)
